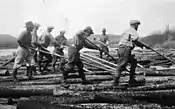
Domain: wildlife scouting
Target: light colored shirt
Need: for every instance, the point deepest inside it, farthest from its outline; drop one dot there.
(46, 38)
(34, 37)
(128, 36)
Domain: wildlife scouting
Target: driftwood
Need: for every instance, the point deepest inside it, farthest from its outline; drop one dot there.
(124, 97)
(10, 92)
(39, 104)
(106, 66)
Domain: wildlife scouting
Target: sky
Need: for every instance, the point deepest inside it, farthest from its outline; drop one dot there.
(75, 15)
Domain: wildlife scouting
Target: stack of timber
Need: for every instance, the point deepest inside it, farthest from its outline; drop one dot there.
(156, 88)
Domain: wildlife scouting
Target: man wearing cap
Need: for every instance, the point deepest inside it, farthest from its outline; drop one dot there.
(23, 52)
(79, 41)
(61, 39)
(35, 44)
(45, 40)
(126, 46)
(104, 41)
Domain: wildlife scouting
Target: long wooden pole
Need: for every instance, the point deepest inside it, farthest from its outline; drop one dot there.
(100, 59)
(99, 63)
(107, 52)
(100, 67)
(53, 53)
(140, 43)
(100, 49)
(104, 61)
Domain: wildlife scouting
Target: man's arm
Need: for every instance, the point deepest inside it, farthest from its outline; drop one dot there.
(89, 45)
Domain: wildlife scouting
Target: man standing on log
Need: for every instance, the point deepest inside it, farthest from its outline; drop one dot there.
(61, 39)
(104, 41)
(23, 51)
(79, 41)
(35, 44)
(45, 40)
(126, 45)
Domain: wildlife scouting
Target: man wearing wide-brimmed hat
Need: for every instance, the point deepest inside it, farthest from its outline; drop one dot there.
(126, 45)
(23, 52)
(79, 41)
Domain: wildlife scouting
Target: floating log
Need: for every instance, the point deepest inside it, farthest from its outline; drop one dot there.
(38, 104)
(10, 92)
(163, 86)
(7, 106)
(72, 97)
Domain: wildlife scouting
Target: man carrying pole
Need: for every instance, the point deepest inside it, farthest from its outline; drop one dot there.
(45, 40)
(74, 56)
(23, 51)
(61, 39)
(126, 46)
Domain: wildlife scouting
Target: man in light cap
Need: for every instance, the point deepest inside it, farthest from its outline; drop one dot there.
(23, 52)
(35, 44)
(79, 41)
(126, 45)
(61, 39)
(45, 40)
(104, 41)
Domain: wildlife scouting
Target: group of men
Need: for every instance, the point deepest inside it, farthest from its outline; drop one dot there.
(29, 43)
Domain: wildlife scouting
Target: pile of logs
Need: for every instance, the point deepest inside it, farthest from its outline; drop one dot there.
(157, 86)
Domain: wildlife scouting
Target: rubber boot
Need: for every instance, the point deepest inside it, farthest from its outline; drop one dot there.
(53, 66)
(14, 72)
(29, 70)
(82, 76)
(107, 58)
(34, 70)
(39, 65)
(101, 54)
(116, 81)
(64, 82)
(132, 81)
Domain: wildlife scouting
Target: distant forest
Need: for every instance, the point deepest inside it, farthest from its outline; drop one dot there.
(7, 41)
(164, 39)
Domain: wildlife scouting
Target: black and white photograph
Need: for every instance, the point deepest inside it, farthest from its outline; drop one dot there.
(87, 54)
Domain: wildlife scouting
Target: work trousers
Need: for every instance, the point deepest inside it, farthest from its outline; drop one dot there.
(22, 55)
(73, 60)
(125, 57)
(47, 56)
(55, 58)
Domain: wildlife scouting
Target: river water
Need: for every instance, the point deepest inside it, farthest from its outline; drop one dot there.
(5, 52)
